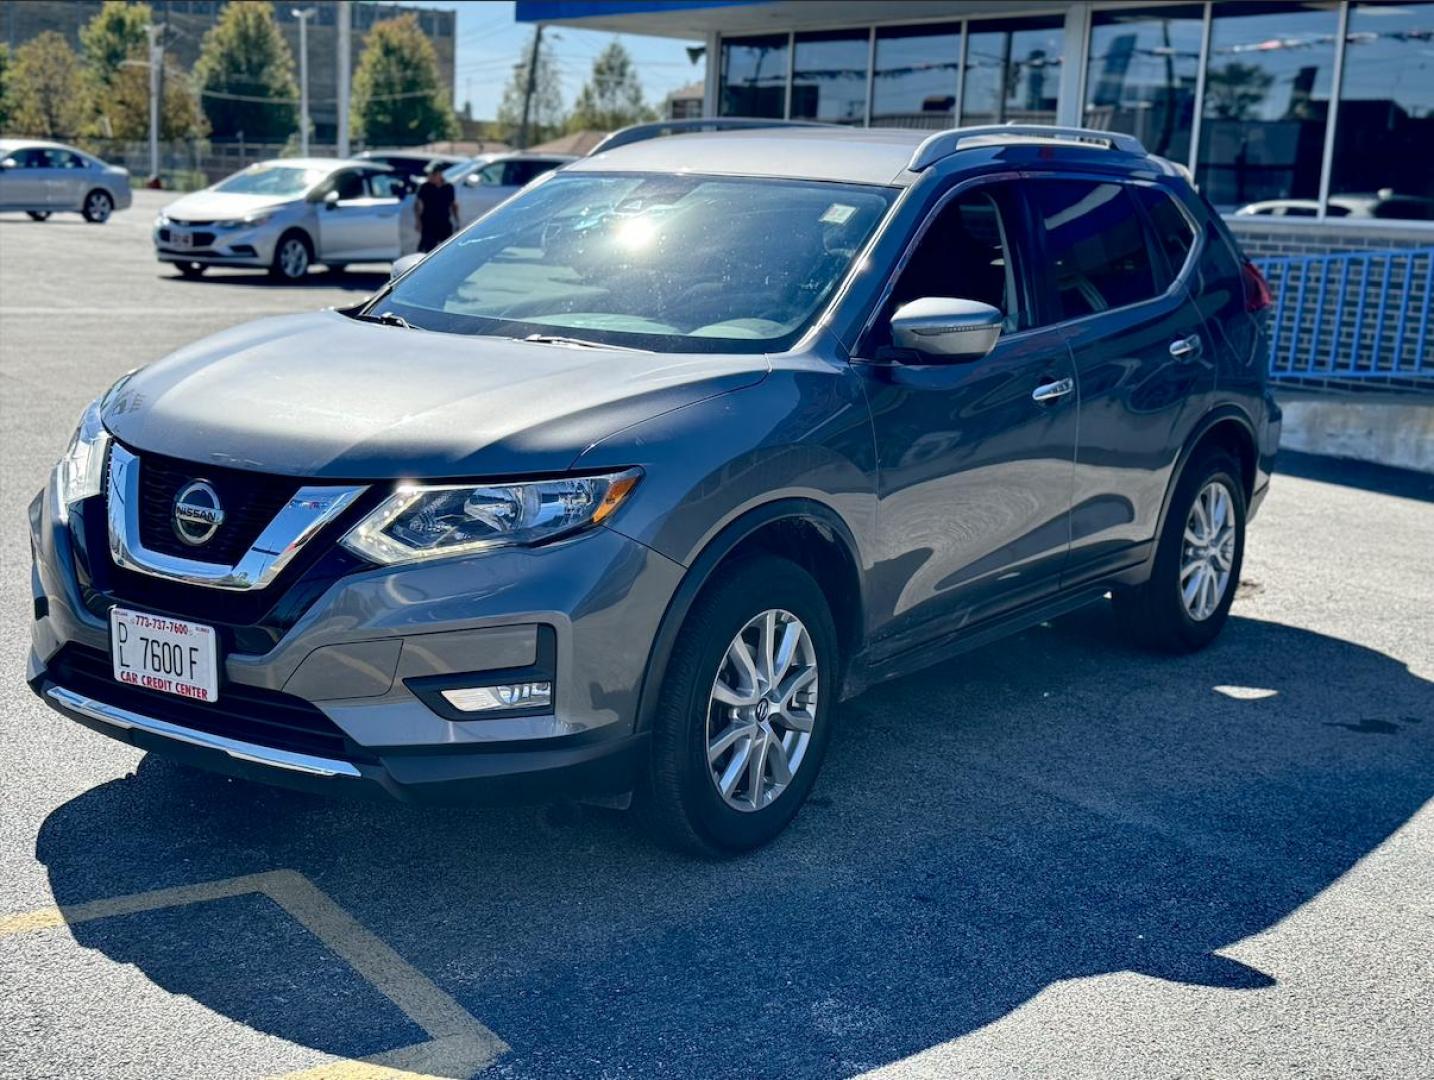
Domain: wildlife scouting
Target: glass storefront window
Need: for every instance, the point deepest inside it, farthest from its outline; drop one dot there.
(1013, 70)
(1267, 94)
(1141, 76)
(917, 72)
(829, 76)
(1384, 138)
(754, 76)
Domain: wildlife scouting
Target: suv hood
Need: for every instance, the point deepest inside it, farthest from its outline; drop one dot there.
(323, 395)
(220, 206)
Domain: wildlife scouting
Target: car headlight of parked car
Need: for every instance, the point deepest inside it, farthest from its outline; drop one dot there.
(80, 472)
(425, 521)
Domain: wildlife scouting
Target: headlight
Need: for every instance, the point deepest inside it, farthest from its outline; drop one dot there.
(161, 220)
(258, 217)
(81, 471)
(434, 522)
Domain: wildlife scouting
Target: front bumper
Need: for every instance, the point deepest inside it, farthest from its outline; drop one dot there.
(341, 701)
(245, 246)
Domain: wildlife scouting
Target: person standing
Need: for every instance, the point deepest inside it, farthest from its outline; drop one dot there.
(436, 207)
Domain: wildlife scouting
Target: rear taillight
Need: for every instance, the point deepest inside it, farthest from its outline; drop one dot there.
(1257, 290)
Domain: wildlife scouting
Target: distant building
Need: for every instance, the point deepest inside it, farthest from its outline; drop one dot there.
(189, 20)
(684, 103)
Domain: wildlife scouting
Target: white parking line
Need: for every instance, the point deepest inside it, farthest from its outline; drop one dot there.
(458, 1045)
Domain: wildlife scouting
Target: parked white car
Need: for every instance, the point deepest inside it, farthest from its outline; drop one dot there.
(481, 183)
(44, 178)
(285, 215)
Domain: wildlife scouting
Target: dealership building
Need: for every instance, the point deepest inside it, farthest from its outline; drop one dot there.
(1310, 125)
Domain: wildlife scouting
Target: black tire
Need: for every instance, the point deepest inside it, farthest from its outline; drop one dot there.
(38, 215)
(98, 206)
(281, 269)
(1154, 615)
(677, 795)
(191, 270)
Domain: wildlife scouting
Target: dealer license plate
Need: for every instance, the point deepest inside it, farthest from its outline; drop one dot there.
(159, 653)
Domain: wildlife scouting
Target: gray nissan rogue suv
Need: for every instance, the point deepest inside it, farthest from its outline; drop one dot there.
(627, 485)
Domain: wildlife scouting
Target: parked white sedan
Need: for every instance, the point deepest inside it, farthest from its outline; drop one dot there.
(285, 215)
(44, 178)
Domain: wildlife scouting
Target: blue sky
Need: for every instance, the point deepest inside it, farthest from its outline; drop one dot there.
(490, 41)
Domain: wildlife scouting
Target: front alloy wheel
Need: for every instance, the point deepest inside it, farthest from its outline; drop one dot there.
(762, 710)
(291, 260)
(743, 716)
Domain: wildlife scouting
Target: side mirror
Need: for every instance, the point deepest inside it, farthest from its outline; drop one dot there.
(9, 163)
(473, 179)
(331, 200)
(404, 265)
(948, 328)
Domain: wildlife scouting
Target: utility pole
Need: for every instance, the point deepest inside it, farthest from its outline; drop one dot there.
(345, 64)
(532, 81)
(156, 63)
(304, 15)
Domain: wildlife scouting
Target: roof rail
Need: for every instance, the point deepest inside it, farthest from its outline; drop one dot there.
(656, 129)
(944, 143)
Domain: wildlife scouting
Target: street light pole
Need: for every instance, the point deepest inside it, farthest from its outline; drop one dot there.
(345, 63)
(156, 61)
(303, 15)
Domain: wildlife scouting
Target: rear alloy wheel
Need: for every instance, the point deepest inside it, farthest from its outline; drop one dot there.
(98, 207)
(38, 215)
(1185, 603)
(291, 258)
(743, 719)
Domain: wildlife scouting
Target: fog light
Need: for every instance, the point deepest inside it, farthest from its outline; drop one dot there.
(527, 695)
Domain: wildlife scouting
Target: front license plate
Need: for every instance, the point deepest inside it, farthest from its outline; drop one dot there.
(181, 240)
(160, 653)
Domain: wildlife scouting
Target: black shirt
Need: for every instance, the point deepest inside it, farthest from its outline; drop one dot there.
(434, 204)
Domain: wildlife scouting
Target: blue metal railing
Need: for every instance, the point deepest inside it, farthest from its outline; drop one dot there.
(1352, 315)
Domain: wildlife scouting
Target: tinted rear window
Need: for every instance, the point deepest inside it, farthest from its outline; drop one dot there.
(1174, 235)
(1095, 246)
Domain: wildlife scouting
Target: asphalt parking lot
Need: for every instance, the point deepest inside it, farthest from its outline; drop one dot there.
(1058, 857)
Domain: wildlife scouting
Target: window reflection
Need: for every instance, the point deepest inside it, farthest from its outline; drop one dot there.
(1385, 135)
(754, 76)
(1267, 94)
(1144, 63)
(829, 76)
(1013, 71)
(917, 72)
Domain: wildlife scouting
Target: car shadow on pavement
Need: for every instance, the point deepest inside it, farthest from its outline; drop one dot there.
(1053, 807)
(363, 281)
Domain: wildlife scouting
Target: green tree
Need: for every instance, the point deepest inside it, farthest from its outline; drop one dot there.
(46, 91)
(545, 118)
(399, 98)
(124, 112)
(245, 73)
(114, 35)
(4, 98)
(612, 96)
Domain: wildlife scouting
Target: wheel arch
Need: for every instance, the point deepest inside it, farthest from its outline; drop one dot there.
(807, 532)
(1225, 427)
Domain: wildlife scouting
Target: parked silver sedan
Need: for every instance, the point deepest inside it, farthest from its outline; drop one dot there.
(44, 178)
(285, 215)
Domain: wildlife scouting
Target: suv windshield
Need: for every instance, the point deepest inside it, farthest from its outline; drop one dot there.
(671, 263)
(271, 180)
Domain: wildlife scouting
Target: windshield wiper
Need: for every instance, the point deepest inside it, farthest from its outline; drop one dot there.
(388, 318)
(582, 343)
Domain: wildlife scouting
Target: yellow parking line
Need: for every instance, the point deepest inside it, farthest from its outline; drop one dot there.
(458, 1045)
